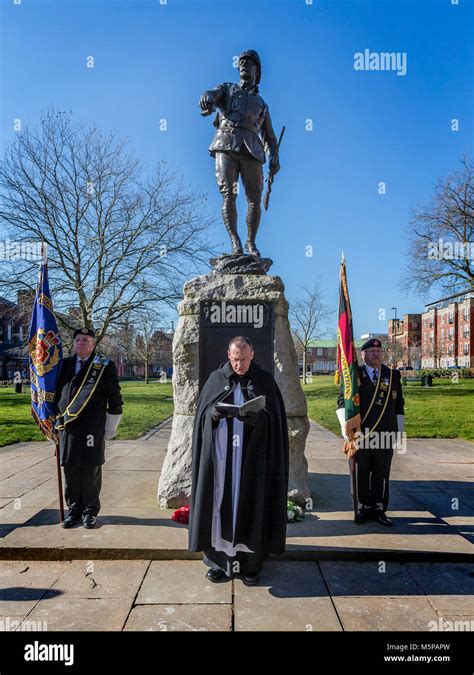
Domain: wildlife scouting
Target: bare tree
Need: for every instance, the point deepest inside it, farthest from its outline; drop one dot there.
(308, 316)
(441, 237)
(146, 343)
(120, 346)
(394, 351)
(118, 239)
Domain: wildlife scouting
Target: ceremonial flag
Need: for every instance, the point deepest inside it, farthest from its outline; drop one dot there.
(45, 350)
(347, 364)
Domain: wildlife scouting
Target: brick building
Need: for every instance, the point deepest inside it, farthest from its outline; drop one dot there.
(13, 333)
(404, 341)
(321, 358)
(447, 327)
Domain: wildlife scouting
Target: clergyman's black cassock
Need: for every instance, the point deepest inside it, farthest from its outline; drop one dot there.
(370, 466)
(262, 506)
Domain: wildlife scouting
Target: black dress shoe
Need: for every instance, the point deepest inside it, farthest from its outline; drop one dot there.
(70, 520)
(89, 521)
(250, 579)
(216, 575)
(359, 517)
(384, 520)
(368, 512)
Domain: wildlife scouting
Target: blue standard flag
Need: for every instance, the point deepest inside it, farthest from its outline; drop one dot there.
(46, 353)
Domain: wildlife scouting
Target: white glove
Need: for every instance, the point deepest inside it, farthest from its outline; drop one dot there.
(400, 425)
(341, 416)
(111, 424)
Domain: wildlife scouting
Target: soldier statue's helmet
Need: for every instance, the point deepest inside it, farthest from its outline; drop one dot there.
(252, 54)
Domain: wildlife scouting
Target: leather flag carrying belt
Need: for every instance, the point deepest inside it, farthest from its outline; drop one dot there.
(84, 393)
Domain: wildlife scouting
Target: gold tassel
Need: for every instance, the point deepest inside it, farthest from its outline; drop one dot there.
(337, 377)
(350, 448)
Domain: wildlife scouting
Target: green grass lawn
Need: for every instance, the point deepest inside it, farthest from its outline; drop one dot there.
(445, 410)
(144, 407)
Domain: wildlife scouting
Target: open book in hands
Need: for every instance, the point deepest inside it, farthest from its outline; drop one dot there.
(252, 406)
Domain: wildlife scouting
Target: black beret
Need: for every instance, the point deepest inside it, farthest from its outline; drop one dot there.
(373, 342)
(85, 331)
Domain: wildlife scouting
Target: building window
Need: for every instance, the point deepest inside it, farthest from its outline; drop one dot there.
(319, 351)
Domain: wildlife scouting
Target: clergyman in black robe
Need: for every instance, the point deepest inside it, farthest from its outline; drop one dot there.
(238, 510)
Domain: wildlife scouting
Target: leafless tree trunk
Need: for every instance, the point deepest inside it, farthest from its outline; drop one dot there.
(441, 237)
(308, 317)
(146, 344)
(118, 239)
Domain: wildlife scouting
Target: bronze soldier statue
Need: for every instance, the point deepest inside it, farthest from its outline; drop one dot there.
(244, 133)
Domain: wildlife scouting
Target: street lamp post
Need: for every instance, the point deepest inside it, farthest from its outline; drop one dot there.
(393, 337)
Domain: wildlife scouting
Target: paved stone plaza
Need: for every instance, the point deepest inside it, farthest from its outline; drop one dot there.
(133, 571)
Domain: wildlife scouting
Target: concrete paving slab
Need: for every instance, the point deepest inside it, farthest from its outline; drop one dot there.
(66, 614)
(180, 618)
(457, 622)
(374, 613)
(129, 488)
(290, 596)
(12, 467)
(23, 584)
(135, 463)
(100, 579)
(24, 481)
(11, 623)
(181, 582)
(12, 517)
(124, 532)
(449, 587)
(40, 496)
(367, 578)
(415, 531)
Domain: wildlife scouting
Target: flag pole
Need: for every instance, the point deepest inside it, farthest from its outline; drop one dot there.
(60, 484)
(44, 256)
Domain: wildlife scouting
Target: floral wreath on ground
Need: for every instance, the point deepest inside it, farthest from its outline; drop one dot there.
(295, 513)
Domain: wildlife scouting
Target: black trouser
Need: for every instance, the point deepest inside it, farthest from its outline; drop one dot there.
(83, 483)
(371, 479)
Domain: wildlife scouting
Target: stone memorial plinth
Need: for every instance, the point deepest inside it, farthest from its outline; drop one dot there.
(175, 481)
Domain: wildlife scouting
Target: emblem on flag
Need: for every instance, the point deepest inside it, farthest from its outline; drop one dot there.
(45, 350)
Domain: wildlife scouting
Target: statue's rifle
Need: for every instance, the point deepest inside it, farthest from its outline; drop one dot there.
(271, 175)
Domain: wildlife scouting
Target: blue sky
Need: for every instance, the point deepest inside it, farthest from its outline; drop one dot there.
(153, 60)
